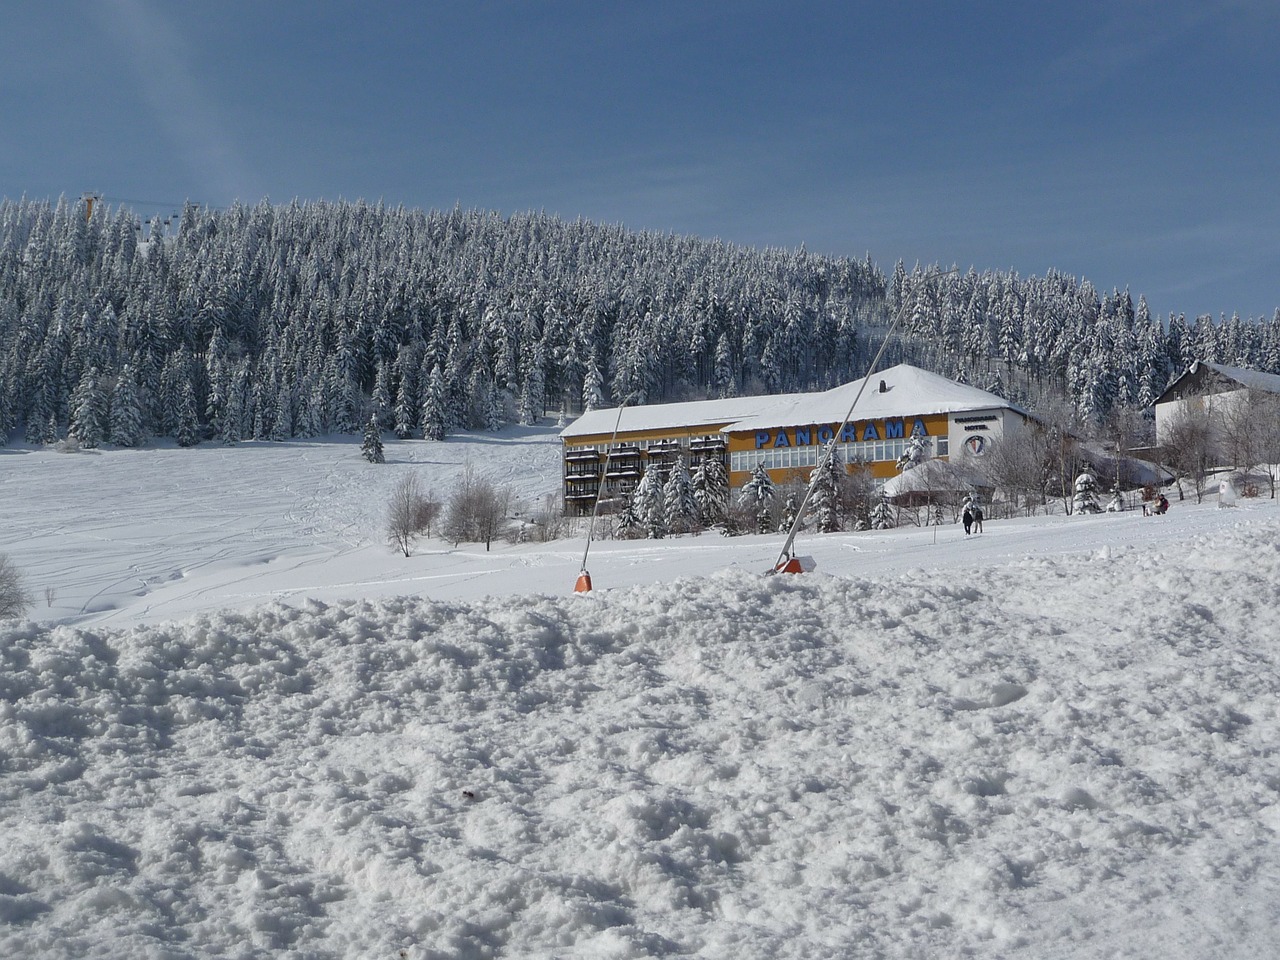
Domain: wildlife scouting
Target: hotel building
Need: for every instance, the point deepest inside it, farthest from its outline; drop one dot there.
(785, 433)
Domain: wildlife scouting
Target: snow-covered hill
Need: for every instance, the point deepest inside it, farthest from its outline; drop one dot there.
(1053, 740)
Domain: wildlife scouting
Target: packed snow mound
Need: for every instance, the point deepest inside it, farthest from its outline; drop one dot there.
(1075, 756)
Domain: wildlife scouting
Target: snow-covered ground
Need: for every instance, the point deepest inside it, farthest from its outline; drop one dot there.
(1056, 739)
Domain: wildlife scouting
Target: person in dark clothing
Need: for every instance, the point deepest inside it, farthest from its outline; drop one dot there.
(1162, 505)
(967, 519)
(977, 518)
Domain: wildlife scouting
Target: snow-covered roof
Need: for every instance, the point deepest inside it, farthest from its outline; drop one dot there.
(1133, 471)
(908, 391)
(1253, 379)
(1250, 379)
(661, 416)
(935, 476)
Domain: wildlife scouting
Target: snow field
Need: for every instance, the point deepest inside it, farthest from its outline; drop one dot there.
(1063, 757)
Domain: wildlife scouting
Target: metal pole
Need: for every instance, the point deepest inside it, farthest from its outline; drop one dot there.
(830, 450)
(591, 527)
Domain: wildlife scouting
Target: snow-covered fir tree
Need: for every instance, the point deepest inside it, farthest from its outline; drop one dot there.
(915, 453)
(592, 387)
(494, 414)
(406, 413)
(1086, 494)
(679, 500)
(282, 423)
(628, 523)
(434, 410)
(381, 398)
(371, 446)
(649, 504)
(233, 426)
(89, 411)
(882, 514)
(824, 490)
(758, 494)
(187, 430)
(711, 488)
(126, 412)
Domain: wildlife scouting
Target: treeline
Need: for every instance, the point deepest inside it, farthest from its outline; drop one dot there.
(1038, 339)
(272, 322)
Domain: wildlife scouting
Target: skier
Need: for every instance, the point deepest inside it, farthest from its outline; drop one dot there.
(967, 519)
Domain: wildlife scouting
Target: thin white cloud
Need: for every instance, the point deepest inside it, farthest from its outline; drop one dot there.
(201, 139)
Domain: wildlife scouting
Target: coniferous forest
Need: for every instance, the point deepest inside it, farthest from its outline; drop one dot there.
(281, 321)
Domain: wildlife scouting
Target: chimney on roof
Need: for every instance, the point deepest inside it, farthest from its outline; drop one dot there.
(884, 387)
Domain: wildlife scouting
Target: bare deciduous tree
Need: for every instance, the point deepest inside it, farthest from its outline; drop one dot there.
(1189, 446)
(1059, 426)
(1248, 425)
(1019, 467)
(13, 598)
(858, 495)
(410, 513)
(1268, 430)
(477, 510)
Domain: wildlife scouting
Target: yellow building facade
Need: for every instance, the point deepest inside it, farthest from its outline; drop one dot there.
(606, 453)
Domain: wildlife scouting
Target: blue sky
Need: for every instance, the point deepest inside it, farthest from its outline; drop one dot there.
(1130, 143)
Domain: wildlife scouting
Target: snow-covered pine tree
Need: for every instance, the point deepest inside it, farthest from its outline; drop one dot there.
(494, 408)
(89, 411)
(282, 422)
(882, 514)
(37, 420)
(381, 398)
(758, 493)
(711, 488)
(722, 379)
(187, 429)
(592, 387)
(235, 424)
(126, 411)
(915, 453)
(533, 399)
(405, 414)
(8, 418)
(341, 399)
(649, 506)
(1086, 495)
(679, 501)
(311, 421)
(371, 447)
(629, 525)
(824, 490)
(434, 409)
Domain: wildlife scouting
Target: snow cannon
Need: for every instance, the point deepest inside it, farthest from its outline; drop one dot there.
(584, 583)
(793, 564)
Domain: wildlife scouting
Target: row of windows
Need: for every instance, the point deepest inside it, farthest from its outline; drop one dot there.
(865, 451)
(715, 442)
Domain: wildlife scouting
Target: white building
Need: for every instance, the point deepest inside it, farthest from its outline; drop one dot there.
(1209, 387)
